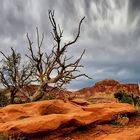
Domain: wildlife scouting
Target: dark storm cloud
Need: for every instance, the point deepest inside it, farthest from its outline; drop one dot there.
(12, 18)
(135, 4)
(110, 33)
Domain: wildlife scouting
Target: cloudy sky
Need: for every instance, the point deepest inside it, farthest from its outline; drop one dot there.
(110, 33)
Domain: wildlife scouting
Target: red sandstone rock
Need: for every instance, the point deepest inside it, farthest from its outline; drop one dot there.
(107, 83)
(108, 87)
(55, 116)
(81, 102)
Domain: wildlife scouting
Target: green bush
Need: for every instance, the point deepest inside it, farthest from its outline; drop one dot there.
(119, 95)
(127, 98)
(124, 97)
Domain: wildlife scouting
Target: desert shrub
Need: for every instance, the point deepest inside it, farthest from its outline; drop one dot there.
(119, 95)
(120, 120)
(3, 100)
(124, 97)
(18, 101)
(127, 99)
(137, 101)
(49, 97)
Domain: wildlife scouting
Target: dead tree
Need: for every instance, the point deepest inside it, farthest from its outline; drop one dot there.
(13, 75)
(56, 62)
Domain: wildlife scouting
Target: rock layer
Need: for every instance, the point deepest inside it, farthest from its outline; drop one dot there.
(109, 87)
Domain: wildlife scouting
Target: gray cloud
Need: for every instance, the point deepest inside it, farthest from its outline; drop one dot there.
(110, 33)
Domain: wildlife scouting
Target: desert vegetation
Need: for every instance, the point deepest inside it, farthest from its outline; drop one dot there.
(3, 100)
(124, 97)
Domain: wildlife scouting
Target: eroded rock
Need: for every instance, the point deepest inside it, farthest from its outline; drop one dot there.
(55, 116)
(105, 88)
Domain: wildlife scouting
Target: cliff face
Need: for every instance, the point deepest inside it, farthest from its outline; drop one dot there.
(110, 87)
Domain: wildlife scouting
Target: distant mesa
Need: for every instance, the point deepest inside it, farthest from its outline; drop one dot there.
(109, 87)
(107, 83)
(102, 92)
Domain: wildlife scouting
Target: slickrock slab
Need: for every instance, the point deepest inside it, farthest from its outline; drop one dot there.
(50, 116)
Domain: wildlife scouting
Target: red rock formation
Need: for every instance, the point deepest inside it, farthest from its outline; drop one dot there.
(55, 117)
(31, 89)
(109, 86)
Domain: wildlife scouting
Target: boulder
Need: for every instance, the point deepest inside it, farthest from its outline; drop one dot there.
(55, 117)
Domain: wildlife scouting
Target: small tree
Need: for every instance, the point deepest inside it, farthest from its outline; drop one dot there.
(124, 97)
(13, 75)
(57, 61)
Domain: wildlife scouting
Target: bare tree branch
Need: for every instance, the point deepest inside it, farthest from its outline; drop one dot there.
(12, 75)
(57, 61)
